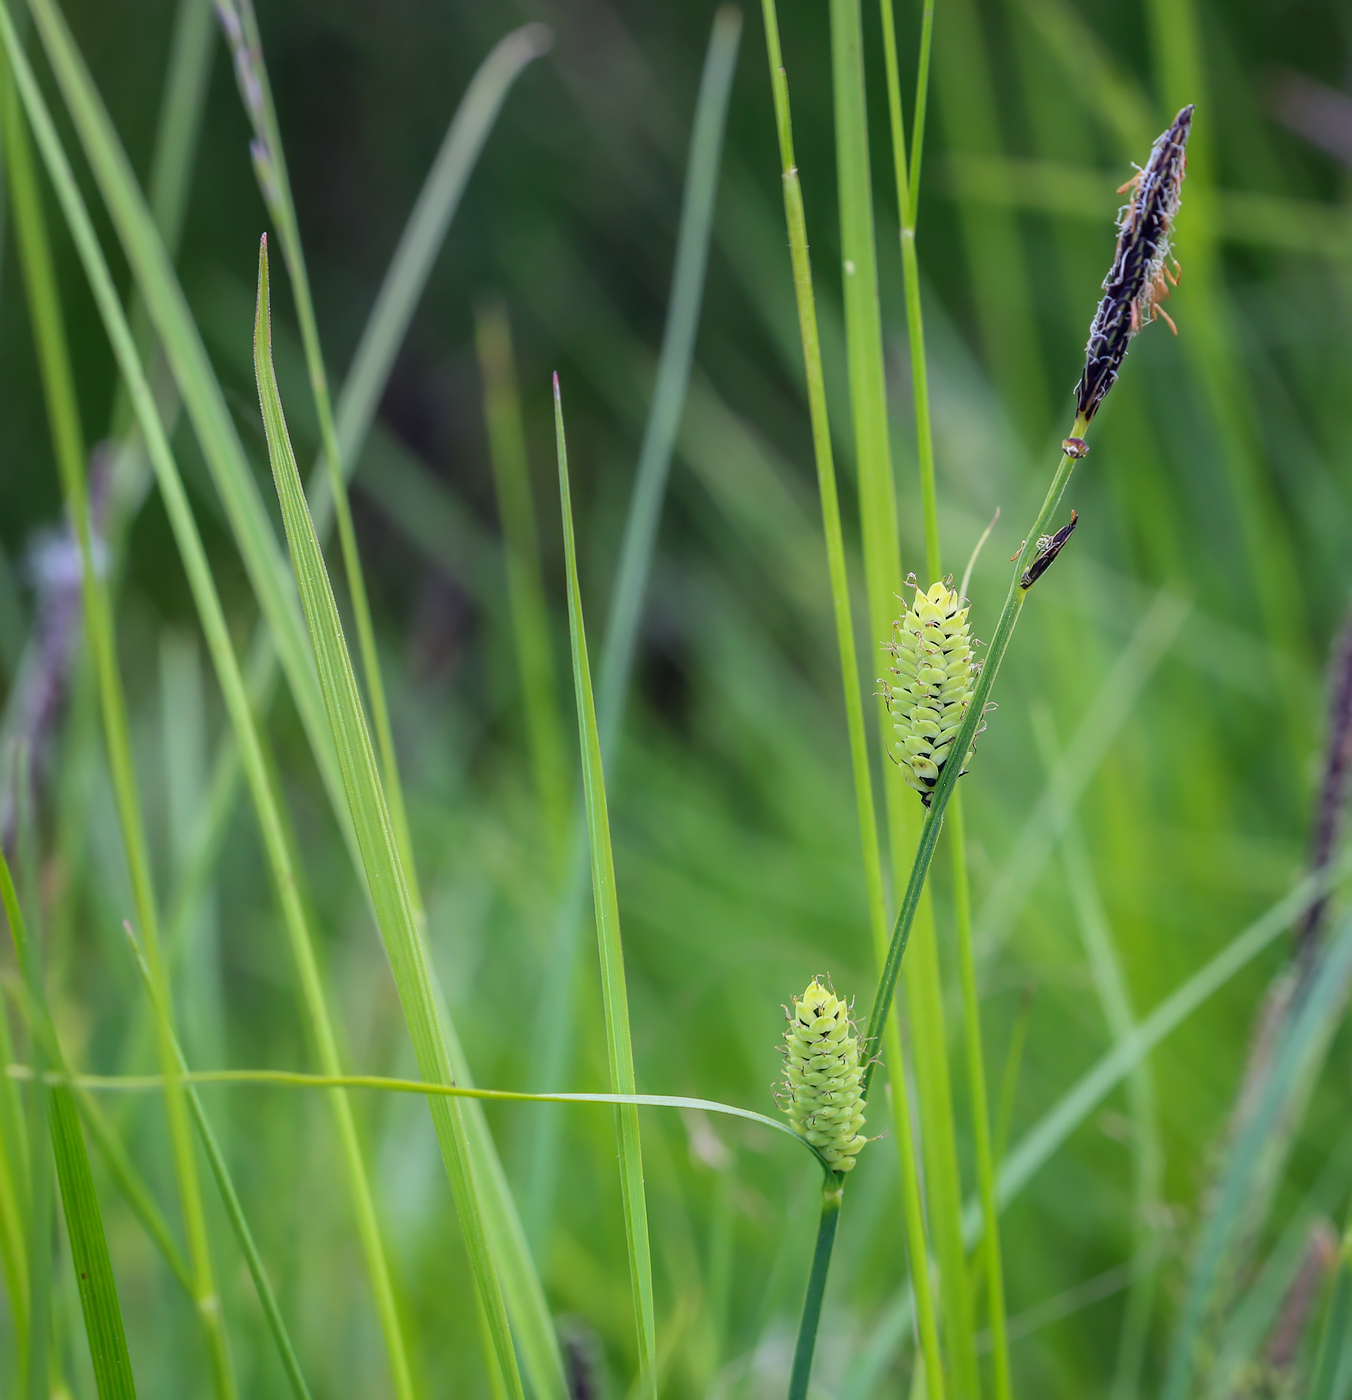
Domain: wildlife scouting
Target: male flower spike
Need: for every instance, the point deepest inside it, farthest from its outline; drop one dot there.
(932, 645)
(822, 1073)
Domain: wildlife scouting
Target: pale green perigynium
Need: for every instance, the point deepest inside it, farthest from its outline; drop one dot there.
(822, 1072)
(932, 645)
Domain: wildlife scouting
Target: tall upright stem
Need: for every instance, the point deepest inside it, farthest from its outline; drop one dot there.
(833, 1192)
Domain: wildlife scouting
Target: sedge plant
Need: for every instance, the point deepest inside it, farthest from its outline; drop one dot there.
(918, 744)
(941, 698)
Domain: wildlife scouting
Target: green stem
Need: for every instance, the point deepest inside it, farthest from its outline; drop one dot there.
(948, 775)
(832, 1194)
(908, 193)
(976, 1079)
(796, 222)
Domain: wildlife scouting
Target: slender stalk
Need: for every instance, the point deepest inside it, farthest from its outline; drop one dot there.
(832, 1194)
(981, 1124)
(948, 775)
(908, 190)
(795, 219)
(924, 981)
(59, 391)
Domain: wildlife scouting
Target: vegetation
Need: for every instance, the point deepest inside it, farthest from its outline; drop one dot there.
(311, 1086)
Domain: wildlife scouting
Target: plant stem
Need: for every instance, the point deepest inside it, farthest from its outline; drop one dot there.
(948, 775)
(981, 1129)
(795, 219)
(907, 173)
(833, 1192)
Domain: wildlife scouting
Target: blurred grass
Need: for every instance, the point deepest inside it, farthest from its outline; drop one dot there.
(1181, 783)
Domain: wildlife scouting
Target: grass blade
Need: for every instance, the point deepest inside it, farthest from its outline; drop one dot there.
(882, 568)
(200, 390)
(1110, 983)
(525, 587)
(421, 241)
(1271, 571)
(384, 332)
(866, 809)
(269, 160)
(1239, 1206)
(1046, 1137)
(234, 1210)
(552, 1053)
(619, 1047)
(63, 412)
(16, 1207)
(907, 176)
(292, 1079)
(375, 837)
(275, 837)
(84, 1221)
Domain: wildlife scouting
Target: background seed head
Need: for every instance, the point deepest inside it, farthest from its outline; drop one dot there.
(935, 671)
(822, 1073)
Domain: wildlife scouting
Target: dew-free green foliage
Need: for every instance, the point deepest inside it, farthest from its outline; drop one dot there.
(841, 401)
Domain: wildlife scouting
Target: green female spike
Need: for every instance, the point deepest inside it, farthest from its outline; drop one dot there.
(822, 1072)
(935, 671)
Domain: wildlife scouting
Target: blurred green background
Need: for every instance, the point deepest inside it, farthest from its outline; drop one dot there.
(1149, 772)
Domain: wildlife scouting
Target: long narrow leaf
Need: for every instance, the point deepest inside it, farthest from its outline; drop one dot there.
(292, 1079)
(619, 1046)
(234, 1210)
(525, 585)
(552, 1052)
(883, 574)
(275, 840)
(1236, 1211)
(197, 383)
(375, 837)
(1045, 1138)
(84, 1221)
(63, 413)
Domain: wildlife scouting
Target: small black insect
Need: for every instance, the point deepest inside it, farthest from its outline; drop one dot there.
(1048, 547)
